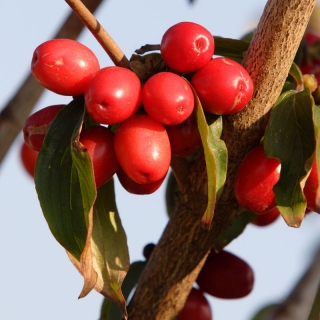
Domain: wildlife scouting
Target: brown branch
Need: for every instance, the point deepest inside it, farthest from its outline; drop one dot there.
(298, 304)
(15, 113)
(178, 257)
(102, 36)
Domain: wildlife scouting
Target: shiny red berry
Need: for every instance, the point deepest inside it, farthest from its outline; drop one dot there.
(186, 47)
(64, 66)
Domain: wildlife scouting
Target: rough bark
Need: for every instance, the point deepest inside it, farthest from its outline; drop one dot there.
(182, 249)
(13, 115)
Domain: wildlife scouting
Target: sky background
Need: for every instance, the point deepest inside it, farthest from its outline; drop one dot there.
(37, 279)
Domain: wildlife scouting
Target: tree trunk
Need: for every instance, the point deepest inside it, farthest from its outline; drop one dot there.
(182, 249)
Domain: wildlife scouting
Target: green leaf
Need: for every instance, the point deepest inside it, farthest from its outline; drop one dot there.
(288, 86)
(215, 152)
(266, 312)
(109, 311)
(109, 246)
(316, 115)
(231, 48)
(290, 137)
(235, 229)
(64, 180)
(296, 73)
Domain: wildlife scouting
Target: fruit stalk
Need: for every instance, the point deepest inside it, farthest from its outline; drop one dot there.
(107, 43)
(181, 251)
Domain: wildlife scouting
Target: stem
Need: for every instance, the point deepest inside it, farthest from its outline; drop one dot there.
(107, 43)
(148, 48)
(180, 168)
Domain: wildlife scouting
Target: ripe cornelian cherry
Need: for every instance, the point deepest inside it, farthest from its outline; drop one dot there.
(255, 180)
(184, 138)
(223, 86)
(196, 307)
(226, 276)
(186, 47)
(113, 95)
(143, 149)
(37, 125)
(29, 158)
(267, 218)
(311, 189)
(137, 188)
(167, 98)
(64, 66)
(99, 141)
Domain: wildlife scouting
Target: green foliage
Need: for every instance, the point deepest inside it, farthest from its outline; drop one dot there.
(64, 180)
(109, 246)
(85, 221)
(265, 313)
(290, 137)
(215, 152)
(109, 311)
(235, 229)
(230, 48)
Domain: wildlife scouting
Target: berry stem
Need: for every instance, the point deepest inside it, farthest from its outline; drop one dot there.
(107, 43)
(180, 168)
(148, 48)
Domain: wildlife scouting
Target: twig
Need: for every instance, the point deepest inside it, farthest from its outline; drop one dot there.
(147, 48)
(15, 113)
(108, 44)
(299, 302)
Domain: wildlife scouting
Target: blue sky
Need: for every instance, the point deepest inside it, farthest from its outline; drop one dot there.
(37, 279)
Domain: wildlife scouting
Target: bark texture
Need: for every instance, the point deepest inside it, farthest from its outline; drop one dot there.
(15, 113)
(184, 245)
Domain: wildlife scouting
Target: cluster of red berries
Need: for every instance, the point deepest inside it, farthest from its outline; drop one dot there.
(139, 124)
(223, 275)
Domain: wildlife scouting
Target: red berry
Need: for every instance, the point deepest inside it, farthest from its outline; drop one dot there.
(137, 188)
(184, 138)
(148, 249)
(64, 66)
(267, 218)
(167, 98)
(99, 141)
(223, 86)
(255, 180)
(37, 125)
(311, 189)
(113, 95)
(143, 149)
(225, 276)
(196, 307)
(311, 37)
(186, 47)
(29, 158)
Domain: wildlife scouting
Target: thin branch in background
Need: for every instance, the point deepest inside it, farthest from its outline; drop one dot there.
(102, 36)
(15, 113)
(298, 304)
